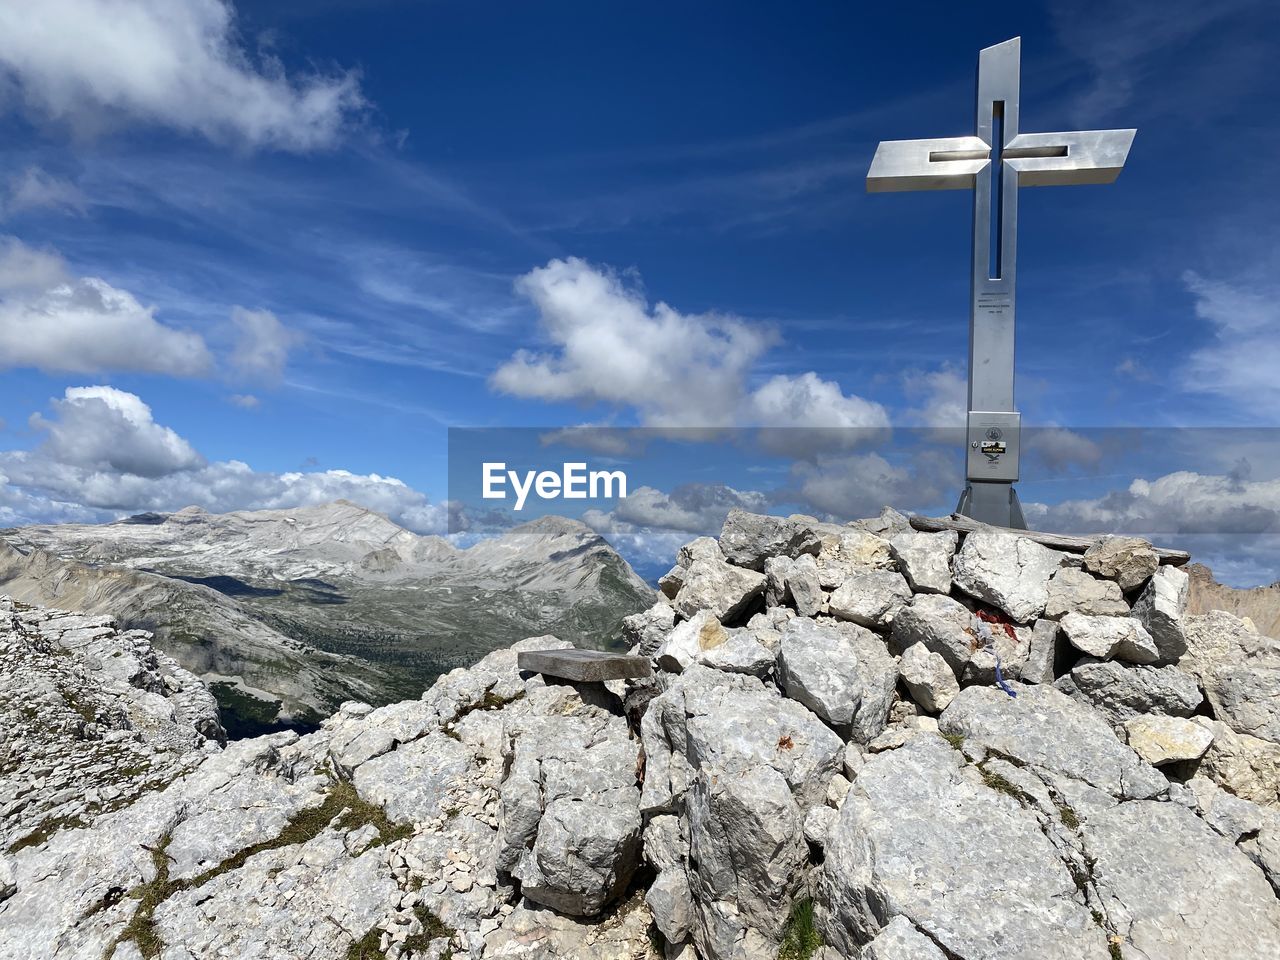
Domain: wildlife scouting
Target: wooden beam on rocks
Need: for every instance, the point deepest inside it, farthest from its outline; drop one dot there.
(1058, 541)
(584, 666)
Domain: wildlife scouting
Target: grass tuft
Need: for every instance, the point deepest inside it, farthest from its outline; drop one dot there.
(800, 938)
(1001, 784)
(433, 928)
(1068, 817)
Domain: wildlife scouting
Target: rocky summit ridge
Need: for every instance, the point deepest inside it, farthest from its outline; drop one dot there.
(287, 613)
(860, 741)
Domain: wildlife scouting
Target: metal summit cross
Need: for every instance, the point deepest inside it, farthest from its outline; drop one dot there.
(995, 162)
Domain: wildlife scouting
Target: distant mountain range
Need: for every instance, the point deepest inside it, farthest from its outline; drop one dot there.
(285, 613)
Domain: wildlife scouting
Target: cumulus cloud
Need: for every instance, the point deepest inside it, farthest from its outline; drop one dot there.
(103, 428)
(1180, 502)
(35, 189)
(245, 401)
(174, 63)
(104, 455)
(859, 485)
(610, 345)
(696, 508)
(262, 344)
(940, 398)
(1227, 520)
(1241, 361)
(53, 321)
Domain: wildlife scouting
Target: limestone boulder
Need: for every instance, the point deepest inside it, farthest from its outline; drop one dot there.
(1246, 696)
(1110, 638)
(960, 837)
(776, 590)
(1042, 653)
(749, 539)
(1129, 561)
(747, 856)
(1007, 571)
(1218, 637)
(1046, 730)
(1246, 766)
(731, 722)
(843, 674)
(845, 549)
(689, 640)
(1162, 740)
(925, 559)
(722, 588)
(571, 808)
(930, 679)
(1161, 608)
(1075, 591)
(648, 629)
(1173, 888)
(945, 626)
(741, 653)
(1121, 691)
(701, 548)
(804, 586)
(870, 598)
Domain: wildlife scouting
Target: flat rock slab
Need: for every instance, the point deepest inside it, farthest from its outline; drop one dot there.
(584, 666)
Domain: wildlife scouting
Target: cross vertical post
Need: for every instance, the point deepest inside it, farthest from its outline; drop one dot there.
(994, 162)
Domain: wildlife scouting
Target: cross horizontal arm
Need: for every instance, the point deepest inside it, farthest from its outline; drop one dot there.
(943, 163)
(1061, 159)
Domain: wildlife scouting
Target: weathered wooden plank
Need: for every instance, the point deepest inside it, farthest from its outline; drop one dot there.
(1059, 541)
(584, 666)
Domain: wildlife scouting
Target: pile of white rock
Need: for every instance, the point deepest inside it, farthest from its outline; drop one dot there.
(935, 745)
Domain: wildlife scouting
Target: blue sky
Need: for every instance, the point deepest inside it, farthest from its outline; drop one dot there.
(312, 236)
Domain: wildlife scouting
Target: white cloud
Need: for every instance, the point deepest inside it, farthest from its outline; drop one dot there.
(105, 456)
(676, 369)
(650, 525)
(23, 269)
(609, 345)
(851, 486)
(1241, 362)
(102, 428)
(1179, 502)
(35, 189)
(53, 321)
(174, 63)
(245, 401)
(698, 508)
(1060, 449)
(940, 397)
(263, 344)
(805, 413)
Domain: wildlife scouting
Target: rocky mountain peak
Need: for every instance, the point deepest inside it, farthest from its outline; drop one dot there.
(872, 744)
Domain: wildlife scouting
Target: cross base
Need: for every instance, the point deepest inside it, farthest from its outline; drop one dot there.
(993, 502)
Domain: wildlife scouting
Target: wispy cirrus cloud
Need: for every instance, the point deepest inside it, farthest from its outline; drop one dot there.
(36, 189)
(1240, 362)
